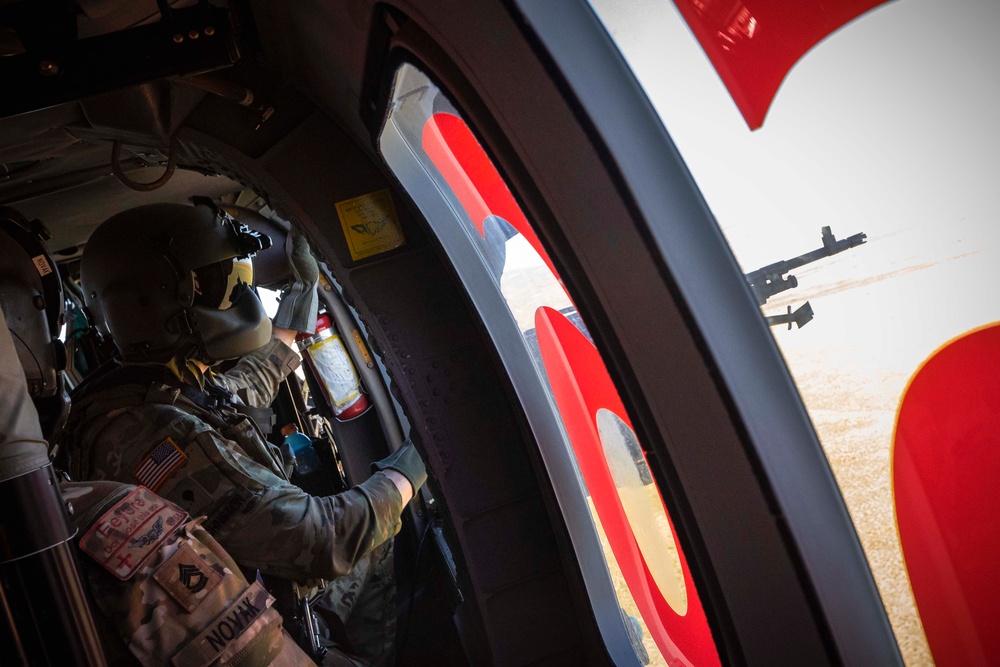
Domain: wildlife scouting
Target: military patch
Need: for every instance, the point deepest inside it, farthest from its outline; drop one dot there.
(157, 465)
(232, 630)
(187, 577)
(239, 500)
(127, 534)
(189, 494)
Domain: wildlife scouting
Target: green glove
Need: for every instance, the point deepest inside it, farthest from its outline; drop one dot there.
(406, 461)
(299, 300)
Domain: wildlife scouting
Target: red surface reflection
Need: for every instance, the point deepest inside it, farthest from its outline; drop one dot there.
(582, 387)
(946, 467)
(754, 44)
(456, 153)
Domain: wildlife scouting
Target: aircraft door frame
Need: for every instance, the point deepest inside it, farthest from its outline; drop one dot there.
(775, 558)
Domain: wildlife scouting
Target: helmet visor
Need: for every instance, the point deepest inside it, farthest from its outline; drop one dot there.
(220, 285)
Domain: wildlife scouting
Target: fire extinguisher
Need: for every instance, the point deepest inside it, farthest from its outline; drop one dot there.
(325, 353)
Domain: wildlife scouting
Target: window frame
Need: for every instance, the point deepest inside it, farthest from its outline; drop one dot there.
(438, 202)
(734, 453)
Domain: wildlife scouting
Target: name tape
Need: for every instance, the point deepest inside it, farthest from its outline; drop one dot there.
(232, 630)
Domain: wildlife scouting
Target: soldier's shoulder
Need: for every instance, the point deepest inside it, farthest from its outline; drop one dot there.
(125, 402)
(112, 445)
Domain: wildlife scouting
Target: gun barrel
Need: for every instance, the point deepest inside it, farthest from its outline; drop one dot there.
(769, 280)
(828, 249)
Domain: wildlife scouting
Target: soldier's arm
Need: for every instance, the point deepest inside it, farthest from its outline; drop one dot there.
(402, 485)
(286, 336)
(263, 521)
(257, 376)
(266, 523)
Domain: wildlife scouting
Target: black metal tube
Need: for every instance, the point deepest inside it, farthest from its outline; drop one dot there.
(62, 567)
(10, 639)
(44, 597)
(32, 497)
(48, 620)
(43, 594)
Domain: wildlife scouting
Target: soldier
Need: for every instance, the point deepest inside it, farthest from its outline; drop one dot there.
(162, 583)
(170, 284)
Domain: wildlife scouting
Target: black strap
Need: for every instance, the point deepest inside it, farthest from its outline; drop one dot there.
(263, 417)
(112, 374)
(210, 399)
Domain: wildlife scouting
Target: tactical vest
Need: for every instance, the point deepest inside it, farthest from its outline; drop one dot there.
(129, 386)
(168, 588)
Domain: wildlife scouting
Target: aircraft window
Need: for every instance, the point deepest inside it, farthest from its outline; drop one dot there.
(884, 127)
(637, 576)
(641, 501)
(269, 299)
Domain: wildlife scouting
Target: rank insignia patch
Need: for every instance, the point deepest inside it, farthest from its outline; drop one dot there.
(157, 465)
(187, 577)
(127, 534)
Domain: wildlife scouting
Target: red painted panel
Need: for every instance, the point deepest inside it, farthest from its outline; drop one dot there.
(456, 153)
(462, 183)
(946, 481)
(581, 386)
(754, 44)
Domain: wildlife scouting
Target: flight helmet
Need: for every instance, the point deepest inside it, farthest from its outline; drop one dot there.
(164, 280)
(32, 300)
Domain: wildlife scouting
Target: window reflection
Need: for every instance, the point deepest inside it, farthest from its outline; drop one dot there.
(651, 591)
(641, 500)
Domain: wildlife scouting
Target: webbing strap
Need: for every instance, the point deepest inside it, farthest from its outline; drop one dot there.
(208, 400)
(148, 382)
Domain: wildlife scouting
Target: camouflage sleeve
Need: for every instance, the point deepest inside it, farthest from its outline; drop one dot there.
(257, 376)
(269, 524)
(262, 521)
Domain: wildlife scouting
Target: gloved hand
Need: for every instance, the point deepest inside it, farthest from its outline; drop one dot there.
(299, 301)
(406, 461)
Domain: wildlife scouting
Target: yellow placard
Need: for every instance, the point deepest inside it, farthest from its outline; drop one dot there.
(370, 224)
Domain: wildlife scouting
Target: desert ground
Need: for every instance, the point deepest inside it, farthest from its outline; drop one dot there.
(881, 310)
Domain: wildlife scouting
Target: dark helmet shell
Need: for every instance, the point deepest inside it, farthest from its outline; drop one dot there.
(31, 297)
(137, 273)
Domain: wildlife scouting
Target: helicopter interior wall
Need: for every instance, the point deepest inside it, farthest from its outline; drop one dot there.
(323, 48)
(514, 575)
(517, 579)
(526, 78)
(55, 161)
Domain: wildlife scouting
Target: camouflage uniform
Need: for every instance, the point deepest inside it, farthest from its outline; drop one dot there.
(167, 588)
(215, 462)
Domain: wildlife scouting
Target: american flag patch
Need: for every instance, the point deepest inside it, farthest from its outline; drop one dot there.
(154, 469)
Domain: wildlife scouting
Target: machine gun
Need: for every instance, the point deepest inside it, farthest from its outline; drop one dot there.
(772, 279)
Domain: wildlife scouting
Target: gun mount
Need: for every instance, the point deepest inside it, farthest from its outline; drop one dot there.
(776, 278)
(799, 318)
